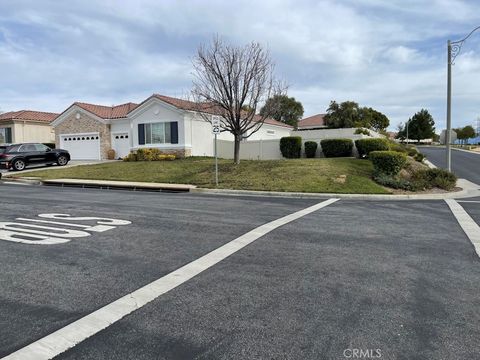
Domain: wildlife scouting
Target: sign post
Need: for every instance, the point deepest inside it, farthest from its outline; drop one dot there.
(216, 131)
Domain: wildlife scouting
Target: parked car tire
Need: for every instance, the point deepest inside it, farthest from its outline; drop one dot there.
(18, 165)
(62, 160)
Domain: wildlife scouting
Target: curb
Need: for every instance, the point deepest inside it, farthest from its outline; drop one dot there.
(118, 185)
(469, 189)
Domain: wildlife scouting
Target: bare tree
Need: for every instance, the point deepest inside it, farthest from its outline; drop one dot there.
(233, 82)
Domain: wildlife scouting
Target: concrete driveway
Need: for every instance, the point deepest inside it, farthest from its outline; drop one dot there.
(181, 276)
(72, 163)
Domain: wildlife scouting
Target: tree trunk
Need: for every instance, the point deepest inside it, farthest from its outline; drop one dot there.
(236, 152)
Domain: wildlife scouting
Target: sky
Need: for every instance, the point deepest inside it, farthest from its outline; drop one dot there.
(389, 55)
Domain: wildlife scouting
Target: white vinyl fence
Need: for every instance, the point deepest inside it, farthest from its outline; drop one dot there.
(270, 149)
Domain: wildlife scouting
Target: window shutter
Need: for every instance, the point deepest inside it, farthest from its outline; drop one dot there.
(174, 132)
(8, 135)
(141, 134)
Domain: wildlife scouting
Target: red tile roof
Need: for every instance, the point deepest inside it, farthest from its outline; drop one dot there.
(28, 115)
(108, 112)
(312, 121)
(208, 108)
(121, 111)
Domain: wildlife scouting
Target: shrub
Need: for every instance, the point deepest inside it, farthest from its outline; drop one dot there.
(412, 151)
(394, 182)
(394, 146)
(130, 157)
(388, 162)
(310, 149)
(366, 146)
(361, 131)
(337, 147)
(419, 157)
(441, 178)
(291, 146)
(148, 155)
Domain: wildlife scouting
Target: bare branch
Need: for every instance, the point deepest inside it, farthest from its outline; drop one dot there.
(228, 80)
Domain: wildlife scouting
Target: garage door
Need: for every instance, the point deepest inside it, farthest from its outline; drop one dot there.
(81, 146)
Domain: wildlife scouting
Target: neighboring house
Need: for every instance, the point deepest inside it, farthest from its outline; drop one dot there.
(27, 126)
(392, 135)
(172, 125)
(312, 123)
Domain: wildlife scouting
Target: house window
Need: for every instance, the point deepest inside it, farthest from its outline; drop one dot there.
(158, 133)
(5, 135)
(271, 132)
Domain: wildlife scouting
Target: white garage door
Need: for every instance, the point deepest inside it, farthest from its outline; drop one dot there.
(121, 145)
(81, 146)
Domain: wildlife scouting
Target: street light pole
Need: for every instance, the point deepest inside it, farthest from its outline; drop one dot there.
(448, 136)
(407, 130)
(453, 49)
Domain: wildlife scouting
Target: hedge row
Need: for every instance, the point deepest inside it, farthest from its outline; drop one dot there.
(148, 155)
(291, 147)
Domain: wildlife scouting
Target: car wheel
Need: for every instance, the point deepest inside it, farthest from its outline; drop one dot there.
(62, 160)
(18, 165)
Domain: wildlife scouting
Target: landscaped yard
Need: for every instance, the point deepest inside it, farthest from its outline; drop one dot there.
(339, 175)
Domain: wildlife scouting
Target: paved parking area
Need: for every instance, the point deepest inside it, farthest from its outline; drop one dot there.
(398, 277)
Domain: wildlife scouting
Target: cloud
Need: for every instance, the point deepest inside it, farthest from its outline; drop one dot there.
(390, 55)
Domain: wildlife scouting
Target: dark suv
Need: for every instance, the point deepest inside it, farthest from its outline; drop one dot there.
(18, 156)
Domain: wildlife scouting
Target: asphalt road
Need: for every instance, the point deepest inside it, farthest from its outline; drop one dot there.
(465, 165)
(399, 277)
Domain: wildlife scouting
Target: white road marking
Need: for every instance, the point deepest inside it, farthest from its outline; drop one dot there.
(74, 333)
(469, 201)
(97, 228)
(31, 239)
(28, 233)
(100, 220)
(42, 230)
(469, 226)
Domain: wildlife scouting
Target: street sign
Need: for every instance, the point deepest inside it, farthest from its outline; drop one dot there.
(216, 131)
(215, 124)
(215, 121)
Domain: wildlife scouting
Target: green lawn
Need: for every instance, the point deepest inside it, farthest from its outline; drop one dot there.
(302, 175)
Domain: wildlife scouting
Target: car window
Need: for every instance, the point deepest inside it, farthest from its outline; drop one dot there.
(14, 148)
(2, 149)
(27, 148)
(41, 147)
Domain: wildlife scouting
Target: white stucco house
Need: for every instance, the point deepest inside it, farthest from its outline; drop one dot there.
(172, 125)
